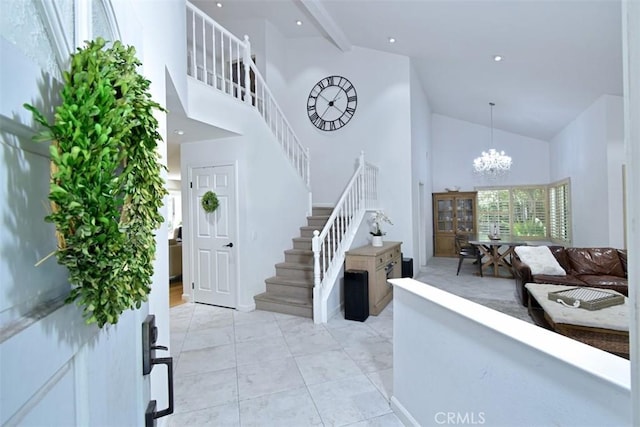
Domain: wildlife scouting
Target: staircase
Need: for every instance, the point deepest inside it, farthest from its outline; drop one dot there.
(290, 291)
(304, 281)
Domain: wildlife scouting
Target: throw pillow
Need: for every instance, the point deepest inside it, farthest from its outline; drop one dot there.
(540, 260)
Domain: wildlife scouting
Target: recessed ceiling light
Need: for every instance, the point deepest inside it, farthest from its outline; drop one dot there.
(178, 132)
(497, 58)
(219, 4)
(298, 23)
(392, 40)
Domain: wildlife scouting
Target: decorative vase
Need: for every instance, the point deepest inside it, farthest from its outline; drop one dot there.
(376, 241)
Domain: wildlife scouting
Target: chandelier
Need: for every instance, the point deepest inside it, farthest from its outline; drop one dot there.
(493, 163)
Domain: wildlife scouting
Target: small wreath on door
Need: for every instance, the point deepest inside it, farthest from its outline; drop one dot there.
(209, 202)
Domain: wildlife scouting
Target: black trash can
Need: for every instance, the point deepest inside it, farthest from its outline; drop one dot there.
(407, 267)
(356, 295)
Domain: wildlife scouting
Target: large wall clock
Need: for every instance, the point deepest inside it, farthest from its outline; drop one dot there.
(332, 103)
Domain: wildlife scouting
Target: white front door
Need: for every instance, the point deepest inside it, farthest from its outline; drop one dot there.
(214, 236)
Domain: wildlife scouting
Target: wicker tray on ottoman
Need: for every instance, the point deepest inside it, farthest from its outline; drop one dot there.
(587, 298)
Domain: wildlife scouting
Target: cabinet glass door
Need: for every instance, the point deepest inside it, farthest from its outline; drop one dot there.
(445, 215)
(464, 215)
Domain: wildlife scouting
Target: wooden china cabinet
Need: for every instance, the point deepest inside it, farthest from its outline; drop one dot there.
(453, 212)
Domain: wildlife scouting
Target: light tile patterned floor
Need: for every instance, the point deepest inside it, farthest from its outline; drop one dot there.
(270, 369)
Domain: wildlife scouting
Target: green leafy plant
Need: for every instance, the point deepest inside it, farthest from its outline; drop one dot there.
(105, 189)
(209, 202)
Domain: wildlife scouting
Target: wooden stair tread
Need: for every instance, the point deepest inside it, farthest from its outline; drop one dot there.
(299, 251)
(294, 266)
(318, 216)
(284, 299)
(289, 281)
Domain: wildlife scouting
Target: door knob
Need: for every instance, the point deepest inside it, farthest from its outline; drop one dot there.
(230, 245)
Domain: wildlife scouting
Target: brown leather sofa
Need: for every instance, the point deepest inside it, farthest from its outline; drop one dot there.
(593, 267)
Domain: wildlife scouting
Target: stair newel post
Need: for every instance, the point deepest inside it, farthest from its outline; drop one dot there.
(246, 61)
(317, 294)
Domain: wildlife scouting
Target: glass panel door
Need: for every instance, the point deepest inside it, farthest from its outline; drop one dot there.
(464, 215)
(445, 215)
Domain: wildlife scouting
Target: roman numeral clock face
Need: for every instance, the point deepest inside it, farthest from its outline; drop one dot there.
(332, 103)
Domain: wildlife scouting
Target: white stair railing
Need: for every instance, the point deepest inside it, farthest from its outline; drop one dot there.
(223, 61)
(330, 244)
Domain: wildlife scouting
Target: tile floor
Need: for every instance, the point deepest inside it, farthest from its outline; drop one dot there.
(269, 369)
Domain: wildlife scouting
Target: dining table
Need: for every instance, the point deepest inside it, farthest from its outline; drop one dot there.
(496, 252)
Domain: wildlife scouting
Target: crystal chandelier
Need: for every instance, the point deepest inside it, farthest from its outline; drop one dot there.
(493, 163)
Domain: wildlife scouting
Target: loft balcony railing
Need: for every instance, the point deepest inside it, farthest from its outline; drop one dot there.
(221, 60)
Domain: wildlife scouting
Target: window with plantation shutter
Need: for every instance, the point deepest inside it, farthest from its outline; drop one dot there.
(494, 207)
(529, 212)
(521, 211)
(560, 212)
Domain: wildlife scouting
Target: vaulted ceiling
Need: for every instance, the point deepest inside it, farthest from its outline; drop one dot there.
(559, 56)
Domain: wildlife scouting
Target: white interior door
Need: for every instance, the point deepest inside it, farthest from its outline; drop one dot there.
(214, 236)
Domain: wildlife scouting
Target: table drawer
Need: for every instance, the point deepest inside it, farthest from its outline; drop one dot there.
(384, 258)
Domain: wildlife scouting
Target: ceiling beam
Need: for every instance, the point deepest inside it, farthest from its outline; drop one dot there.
(327, 24)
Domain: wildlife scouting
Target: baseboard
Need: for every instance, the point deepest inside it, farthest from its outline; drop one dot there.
(323, 205)
(402, 413)
(246, 307)
(186, 297)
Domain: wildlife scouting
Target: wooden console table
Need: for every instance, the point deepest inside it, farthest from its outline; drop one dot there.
(381, 263)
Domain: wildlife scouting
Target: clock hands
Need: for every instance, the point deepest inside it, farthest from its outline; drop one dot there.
(320, 95)
(331, 103)
(326, 109)
(341, 111)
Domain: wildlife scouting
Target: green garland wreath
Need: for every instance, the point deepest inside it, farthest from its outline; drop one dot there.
(209, 202)
(106, 190)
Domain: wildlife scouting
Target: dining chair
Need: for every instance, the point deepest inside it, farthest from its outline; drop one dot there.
(464, 249)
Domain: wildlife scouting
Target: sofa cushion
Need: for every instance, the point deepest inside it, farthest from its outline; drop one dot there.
(540, 260)
(595, 261)
(568, 280)
(561, 255)
(608, 282)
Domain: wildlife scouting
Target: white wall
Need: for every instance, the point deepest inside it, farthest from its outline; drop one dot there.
(589, 151)
(451, 355)
(275, 55)
(421, 180)
(457, 143)
(272, 202)
(616, 160)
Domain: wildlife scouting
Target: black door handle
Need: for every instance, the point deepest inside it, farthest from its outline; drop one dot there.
(230, 245)
(152, 413)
